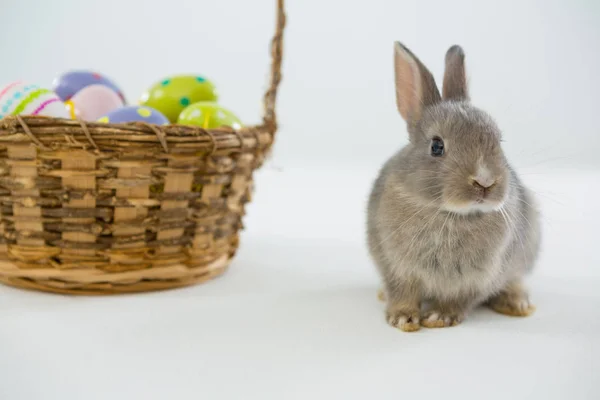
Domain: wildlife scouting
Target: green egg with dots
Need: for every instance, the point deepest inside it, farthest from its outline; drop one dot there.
(171, 95)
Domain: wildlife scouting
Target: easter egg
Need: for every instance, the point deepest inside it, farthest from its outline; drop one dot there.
(172, 95)
(92, 102)
(134, 114)
(66, 85)
(208, 115)
(21, 98)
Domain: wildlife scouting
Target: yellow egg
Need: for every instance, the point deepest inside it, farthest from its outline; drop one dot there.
(208, 115)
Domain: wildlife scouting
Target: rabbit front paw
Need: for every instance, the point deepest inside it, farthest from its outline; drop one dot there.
(407, 322)
(439, 319)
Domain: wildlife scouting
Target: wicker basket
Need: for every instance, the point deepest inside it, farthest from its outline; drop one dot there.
(91, 208)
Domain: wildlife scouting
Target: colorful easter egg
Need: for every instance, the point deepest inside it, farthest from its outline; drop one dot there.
(66, 85)
(208, 115)
(172, 95)
(92, 102)
(21, 98)
(134, 114)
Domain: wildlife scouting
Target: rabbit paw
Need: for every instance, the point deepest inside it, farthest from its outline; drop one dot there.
(513, 306)
(513, 301)
(437, 319)
(403, 321)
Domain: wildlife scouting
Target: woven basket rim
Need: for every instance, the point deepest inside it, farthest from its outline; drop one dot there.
(15, 129)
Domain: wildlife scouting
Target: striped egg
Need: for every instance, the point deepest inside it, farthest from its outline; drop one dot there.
(21, 98)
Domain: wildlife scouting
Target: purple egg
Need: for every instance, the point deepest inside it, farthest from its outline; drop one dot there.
(66, 85)
(135, 114)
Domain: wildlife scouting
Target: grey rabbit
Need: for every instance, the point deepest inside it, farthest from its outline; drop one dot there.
(450, 225)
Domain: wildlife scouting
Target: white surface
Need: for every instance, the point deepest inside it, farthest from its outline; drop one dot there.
(533, 64)
(296, 317)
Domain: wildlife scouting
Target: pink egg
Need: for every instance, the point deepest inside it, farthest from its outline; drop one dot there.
(92, 102)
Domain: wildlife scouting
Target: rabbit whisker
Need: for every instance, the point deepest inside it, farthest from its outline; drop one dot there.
(513, 226)
(541, 194)
(520, 167)
(408, 220)
(444, 224)
(409, 247)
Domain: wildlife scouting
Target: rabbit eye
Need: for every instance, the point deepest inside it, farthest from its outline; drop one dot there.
(437, 147)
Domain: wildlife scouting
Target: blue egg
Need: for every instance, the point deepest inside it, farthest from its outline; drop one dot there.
(135, 114)
(66, 85)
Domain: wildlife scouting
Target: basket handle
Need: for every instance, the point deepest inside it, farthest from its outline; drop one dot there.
(270, 97)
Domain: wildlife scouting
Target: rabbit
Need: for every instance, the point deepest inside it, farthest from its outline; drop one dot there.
(450, 226)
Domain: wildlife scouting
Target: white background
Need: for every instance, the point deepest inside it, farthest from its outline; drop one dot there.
(296, 316)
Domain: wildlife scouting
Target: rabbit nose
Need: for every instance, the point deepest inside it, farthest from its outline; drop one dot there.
(483, 183)
(483, 179)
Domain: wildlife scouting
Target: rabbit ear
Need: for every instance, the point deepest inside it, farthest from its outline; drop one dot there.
(455, 79)
(415, 86)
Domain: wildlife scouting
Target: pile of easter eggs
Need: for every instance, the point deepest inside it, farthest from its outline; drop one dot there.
(89, 96)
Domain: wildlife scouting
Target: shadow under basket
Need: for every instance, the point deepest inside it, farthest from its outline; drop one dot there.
(93, 208)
